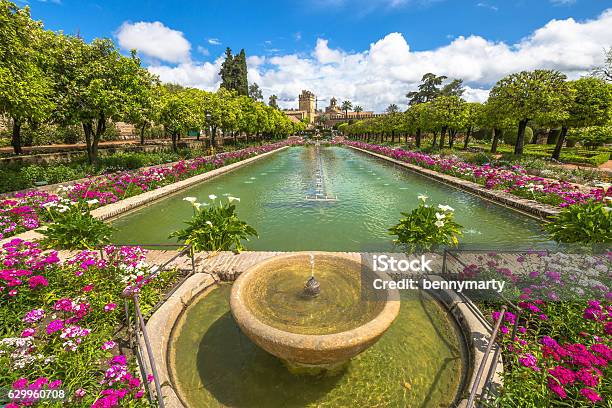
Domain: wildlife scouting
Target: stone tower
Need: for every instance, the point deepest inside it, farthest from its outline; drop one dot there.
(307, 104)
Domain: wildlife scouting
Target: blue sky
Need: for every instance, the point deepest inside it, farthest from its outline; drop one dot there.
(315, 43)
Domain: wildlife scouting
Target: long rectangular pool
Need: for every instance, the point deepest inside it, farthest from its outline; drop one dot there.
(371, 193)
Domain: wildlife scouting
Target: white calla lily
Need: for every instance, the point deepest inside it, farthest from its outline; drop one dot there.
(423, 197)
(439, 224)
(445, 207)
(230, 198)
(212, 197)
(190, 199)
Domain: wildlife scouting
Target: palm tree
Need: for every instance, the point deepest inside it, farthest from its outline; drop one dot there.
(357, 109)
(393, 108)
(346, 106)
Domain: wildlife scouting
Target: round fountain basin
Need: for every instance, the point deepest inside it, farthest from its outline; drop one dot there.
(269, 305)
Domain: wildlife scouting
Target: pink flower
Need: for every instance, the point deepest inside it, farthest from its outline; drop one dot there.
(87, 288)
(590, 394)
(34, 315)
(557, 388)
(29, 332)
(55, 325)
(37, 280)
(108, 345)
(80, 393)
(529, 361)
(563, 375)
(110, 307)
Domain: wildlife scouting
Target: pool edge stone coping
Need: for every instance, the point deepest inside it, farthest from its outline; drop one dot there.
(160, 326)
(120, 207)
(531, 207)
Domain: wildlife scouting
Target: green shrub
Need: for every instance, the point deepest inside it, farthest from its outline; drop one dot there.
(426, 228)
(589, 223)
(479, 158)
(73, 227)
(215, 227)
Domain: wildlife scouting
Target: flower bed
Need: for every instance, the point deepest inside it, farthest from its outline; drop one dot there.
(26, 211)
(60, 322)
(556, 351)
(514, 179)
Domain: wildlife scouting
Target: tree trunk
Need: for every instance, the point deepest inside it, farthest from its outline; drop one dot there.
(16, 140)
(520, 138)
(88, 131)
(442, 136)
(557, 152)
(142, 133)
(100, 129)
(174, 141)
(451, 138)
(435, 138)
(496, 136)
(392, 136)
(417, 138)
(467, 138)
(213, 137)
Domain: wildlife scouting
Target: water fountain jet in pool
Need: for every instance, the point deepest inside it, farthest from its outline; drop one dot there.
(313, 333)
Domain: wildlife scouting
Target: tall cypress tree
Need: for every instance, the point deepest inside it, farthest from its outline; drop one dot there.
(228, 80)
(241, 71)
(234, 73)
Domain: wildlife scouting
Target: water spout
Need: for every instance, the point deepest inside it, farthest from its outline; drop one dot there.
(312, 288)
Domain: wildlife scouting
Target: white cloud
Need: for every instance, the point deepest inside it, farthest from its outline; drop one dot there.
(563, 2)
(203, 50)
(214, 41)
(388, 69)
(154, 40)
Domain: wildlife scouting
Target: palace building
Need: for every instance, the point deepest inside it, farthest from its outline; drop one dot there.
(328, 117)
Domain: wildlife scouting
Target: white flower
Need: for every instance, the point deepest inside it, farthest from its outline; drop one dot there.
(605, 186)
(190, 199)
(440, 216)
(197, 205)
(92, 202)
(439, 224)
(423, 197)
(230, 198)
(212, 196)
(209, 223)
(445, 207)
(607, 209)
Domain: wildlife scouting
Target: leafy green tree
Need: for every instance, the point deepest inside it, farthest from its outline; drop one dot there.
(346, 107)
(393, 108)
(25, 90)
(541, 95)
(446, 114)
(228, 79)
(97, 84)
(175, 112)
(473, 114)
(453, 88)
(590, 106)
(255, 92)
(428, 90)
(273, 101)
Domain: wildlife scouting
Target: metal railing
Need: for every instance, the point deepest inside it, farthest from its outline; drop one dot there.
(507, 303)
(136, 327)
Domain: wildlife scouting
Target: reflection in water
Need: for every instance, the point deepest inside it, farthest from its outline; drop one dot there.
(417, 363)
(371, 196)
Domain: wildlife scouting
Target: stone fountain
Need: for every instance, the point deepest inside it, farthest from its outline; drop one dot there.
(314, 319)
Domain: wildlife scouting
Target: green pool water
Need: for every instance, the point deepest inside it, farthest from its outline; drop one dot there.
(370, 196)
(419, 362)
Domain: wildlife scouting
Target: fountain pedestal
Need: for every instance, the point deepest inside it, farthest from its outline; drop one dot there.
(318, 333)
